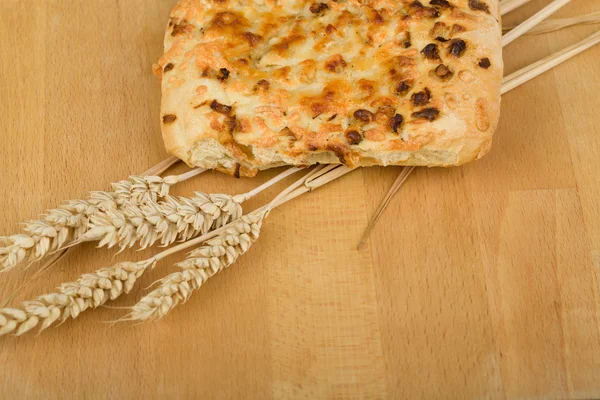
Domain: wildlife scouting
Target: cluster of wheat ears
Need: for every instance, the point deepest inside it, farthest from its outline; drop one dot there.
(140, 211)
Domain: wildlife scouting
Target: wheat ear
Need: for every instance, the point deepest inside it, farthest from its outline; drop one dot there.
(71, 299)
(222, 250)
(69, 221)
(169, 220)
(203, 263)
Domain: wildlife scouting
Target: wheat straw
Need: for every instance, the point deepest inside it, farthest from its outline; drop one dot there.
(161, 167)
(406, 171)
(533, 21)
(560, 23)
(507, 6)
(533, 70)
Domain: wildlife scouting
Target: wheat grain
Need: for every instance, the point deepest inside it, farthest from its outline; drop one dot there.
(203, 263)
(73, 298)
(68, 222)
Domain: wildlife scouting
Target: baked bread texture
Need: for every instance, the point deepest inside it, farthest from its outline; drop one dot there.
(254, 84)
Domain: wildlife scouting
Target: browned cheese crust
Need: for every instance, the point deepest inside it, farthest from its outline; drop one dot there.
(249, 84)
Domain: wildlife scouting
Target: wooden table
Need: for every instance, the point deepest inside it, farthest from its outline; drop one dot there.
(479, 282)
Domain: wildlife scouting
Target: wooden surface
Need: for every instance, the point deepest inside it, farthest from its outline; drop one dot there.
(479, 282)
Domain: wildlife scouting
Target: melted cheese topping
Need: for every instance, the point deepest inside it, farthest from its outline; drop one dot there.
(274, 81)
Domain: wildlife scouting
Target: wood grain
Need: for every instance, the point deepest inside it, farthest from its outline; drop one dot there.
(479, 282)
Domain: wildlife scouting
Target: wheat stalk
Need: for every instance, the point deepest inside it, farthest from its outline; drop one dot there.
(560, 23)
(68, 222)
(507, 6)
(73, 298)
(161, 167)
(532, 21)
(531, 71)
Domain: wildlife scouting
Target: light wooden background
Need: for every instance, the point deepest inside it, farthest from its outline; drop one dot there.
(479, 282)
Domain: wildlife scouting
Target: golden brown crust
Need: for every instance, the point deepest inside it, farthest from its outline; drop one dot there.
(254, 84)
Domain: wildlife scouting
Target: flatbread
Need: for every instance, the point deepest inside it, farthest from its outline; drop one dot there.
(249, 85)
